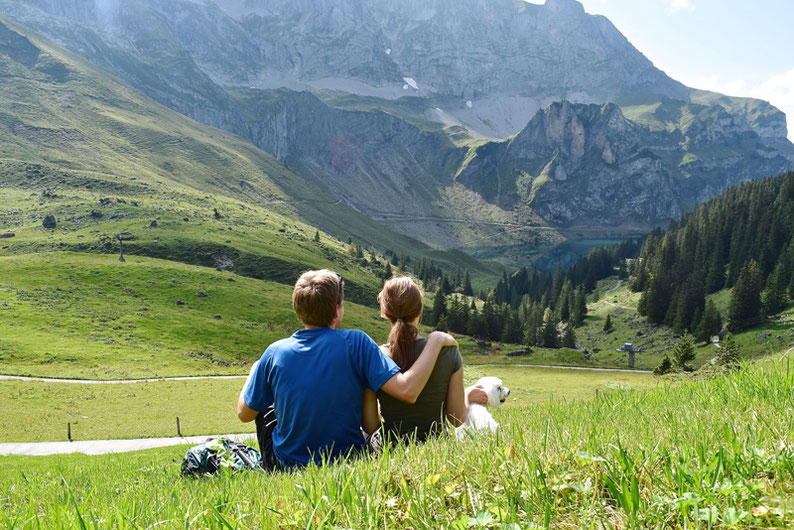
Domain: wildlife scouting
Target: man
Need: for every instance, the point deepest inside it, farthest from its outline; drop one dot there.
(314, 381)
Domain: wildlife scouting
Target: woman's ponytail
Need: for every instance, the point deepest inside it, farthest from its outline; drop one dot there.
(401, 303)
(401, 343)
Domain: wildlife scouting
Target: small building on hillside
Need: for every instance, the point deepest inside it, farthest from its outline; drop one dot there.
(628, 348)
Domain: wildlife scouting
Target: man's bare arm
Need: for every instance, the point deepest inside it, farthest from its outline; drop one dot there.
(244, 412)
(370, 420)
(407, 386)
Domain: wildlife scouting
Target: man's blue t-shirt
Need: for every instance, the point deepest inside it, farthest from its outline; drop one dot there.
(315, 380)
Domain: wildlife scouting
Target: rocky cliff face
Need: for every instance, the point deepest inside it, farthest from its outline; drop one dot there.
(355, 97)
(486, 64)
(587, 165)
(375, 162)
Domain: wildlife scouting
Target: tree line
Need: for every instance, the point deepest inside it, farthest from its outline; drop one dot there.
(529, 306)
(742, 239)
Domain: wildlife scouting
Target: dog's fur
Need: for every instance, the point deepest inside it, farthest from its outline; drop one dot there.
(479, 419)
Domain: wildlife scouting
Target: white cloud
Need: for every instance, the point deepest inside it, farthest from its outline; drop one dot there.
(682, 5)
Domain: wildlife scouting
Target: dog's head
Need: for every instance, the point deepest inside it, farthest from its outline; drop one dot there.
(497, 392)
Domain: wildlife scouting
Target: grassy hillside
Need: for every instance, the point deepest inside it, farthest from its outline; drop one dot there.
(73, 130)
(711, 453)
(83, 315)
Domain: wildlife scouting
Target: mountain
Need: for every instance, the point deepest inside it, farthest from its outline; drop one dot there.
(580, 166)
(102, 158)
(489, 65)
(438, 118)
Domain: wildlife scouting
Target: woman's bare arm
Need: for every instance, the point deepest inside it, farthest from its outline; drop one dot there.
(456, 399)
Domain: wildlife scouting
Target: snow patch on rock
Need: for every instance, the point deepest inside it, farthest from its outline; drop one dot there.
(411, 82)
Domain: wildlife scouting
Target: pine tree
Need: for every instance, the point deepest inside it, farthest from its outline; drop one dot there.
(710, 324)
(359, 252)
(775, 296)
(457, 278)
(455, 315)
(387, 271)
(608, 324)
(564, 301)
(216, 214)
(665, 367)
(467, 289)
(439, 308)
(579, 307)
(316, 236)
(729, 352)
(569, 338)
(475, 324)
(745, 309)
(548, 334)
(445, 286)
(684, 353)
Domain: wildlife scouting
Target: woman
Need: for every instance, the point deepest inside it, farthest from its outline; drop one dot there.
(443, 398)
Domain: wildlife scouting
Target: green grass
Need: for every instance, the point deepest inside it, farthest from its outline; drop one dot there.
(710, 453)
(150, 409)
(656, 341)
(90, 316)
(85, 135)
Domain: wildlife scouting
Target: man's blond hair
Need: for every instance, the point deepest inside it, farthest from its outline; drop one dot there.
(316, 295)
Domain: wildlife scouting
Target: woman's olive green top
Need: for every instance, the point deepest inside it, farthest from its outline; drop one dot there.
(427, 416)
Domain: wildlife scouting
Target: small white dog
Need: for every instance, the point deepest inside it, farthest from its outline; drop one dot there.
(479, 419)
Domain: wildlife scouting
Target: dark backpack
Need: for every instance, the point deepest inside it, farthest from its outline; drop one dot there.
(210, 457)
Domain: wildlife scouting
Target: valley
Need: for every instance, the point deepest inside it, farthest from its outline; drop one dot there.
(614, 245)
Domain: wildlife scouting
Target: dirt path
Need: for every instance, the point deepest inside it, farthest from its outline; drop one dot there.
(200, 377)
(102, 447)
(116, 381)
(585, 368)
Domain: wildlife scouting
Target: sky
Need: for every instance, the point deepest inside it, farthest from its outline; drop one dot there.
(735, 47)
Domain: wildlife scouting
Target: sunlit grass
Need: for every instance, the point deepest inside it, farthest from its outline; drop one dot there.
(715, 452)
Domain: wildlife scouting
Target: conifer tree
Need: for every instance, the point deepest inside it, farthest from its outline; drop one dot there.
(608, 324)
(439, 308)
(564, 301)
(579, 307)
(548, 335)
(445, 286)
(467, 289)
(729, 352)
(665, 367)
(684, 353)
(710, 324)
(569, 338)
(745, 309)
(775, 296)
(316, 236)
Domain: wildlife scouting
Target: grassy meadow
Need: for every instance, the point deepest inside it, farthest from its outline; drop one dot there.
(716, 452)
(207, 406)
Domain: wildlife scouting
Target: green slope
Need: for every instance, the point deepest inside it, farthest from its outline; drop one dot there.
(71, 128)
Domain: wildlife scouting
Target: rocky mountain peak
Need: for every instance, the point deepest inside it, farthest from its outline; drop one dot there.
(570, 130)
(565, 7)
